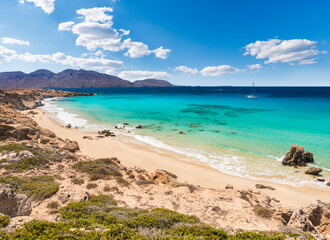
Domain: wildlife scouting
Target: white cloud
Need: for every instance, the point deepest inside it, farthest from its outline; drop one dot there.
(46, 5)
(140, 75)
(96, 32)
(96, 14)
(99, 63)
(6, 40)
(294, 51)
(65, 26)
(124, 32)
(186, 69)
(214, 71)
(161, 52)
(254, 66)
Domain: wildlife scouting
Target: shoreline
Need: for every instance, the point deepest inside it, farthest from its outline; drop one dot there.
(192, 172)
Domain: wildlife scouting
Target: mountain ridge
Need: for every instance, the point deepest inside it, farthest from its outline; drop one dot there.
(70, 78)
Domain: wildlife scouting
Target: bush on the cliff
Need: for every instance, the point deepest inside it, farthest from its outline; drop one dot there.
(104, 167)
(42, 157)
(262, 212)
(36, 187)
(101, 218)
(4, 129)
(4, 220)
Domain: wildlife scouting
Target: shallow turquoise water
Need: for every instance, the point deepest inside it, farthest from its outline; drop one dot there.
(233, 134)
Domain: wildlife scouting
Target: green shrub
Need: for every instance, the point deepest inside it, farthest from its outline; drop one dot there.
(42, 158)
(53, 205)
(78, 181)
(4, 220)
(99, 168)
(4, 129)
(91, 186)
(262, 212)
(36, 187)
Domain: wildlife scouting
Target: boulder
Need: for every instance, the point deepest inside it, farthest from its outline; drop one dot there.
(165, 177)
(78, 195)
(71, 146)
(297, 157)
(13, 204)
(313, 171)
(13, 157)
(139, 126)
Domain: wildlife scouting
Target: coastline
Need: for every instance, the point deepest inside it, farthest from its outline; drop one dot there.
(193, 172)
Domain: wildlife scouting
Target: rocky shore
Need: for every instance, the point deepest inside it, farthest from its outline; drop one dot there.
(48, 186)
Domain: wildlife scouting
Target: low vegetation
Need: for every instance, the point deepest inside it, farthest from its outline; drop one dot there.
(262, 212)
(4, 129)
(103, 168)
(41, 158)
(36, 187)
(101, 218)
(4, 221)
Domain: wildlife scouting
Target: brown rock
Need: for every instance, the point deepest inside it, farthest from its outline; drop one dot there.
(13, 204)
(229, 187)
(313, 171)
(297, 157)
(261, 186)
(139, 126)
(71, 146)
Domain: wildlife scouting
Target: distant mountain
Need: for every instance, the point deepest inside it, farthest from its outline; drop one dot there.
(70, 78)
(152, 83)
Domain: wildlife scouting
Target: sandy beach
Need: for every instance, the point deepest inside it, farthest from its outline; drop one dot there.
(193, 172)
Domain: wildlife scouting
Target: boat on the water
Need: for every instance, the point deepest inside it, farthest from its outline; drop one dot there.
(253, 94)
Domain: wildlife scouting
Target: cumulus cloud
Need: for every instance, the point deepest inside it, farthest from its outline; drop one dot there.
(99, 63)
(140, 75)
(46, 5)
(186, 69)
(294, 51)
(6, 40)
(214, 71)
(254, 66)
(65, 26)
(96, 32)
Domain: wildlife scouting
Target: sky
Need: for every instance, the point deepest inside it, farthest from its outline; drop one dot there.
(198, 43)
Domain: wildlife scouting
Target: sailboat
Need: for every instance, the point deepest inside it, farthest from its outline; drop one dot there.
(253, 94)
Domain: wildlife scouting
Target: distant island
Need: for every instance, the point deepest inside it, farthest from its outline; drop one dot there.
(70, 78)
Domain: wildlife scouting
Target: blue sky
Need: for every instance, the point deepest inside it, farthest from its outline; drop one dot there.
(186, 42)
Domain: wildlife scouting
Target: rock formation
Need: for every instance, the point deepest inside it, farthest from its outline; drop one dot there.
(297, 157)
(313, 171)
(12, 203)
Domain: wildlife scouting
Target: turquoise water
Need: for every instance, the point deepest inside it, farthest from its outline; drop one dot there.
(239, 136)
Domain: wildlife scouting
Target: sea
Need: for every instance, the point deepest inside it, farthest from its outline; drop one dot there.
(218, 126)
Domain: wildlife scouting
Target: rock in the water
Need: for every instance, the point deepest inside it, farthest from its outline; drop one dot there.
(71, 146)
(297, 157)
(313, 171)
(328, 184)
(139, 126)
(320, 179)
(13, 204)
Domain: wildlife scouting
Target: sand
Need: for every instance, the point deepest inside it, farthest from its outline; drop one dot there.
(192, 172)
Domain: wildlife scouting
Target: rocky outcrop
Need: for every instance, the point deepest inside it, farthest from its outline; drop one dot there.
(313, 171)
(71, 146)
(24, 99)
(297, 157)
(13, 157)
(165, 177)
(13, 204)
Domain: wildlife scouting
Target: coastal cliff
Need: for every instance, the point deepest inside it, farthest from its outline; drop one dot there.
(47, 179)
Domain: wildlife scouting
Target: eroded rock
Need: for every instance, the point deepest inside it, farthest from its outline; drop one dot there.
(12, 203)
(313, 171)
(297, 157)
